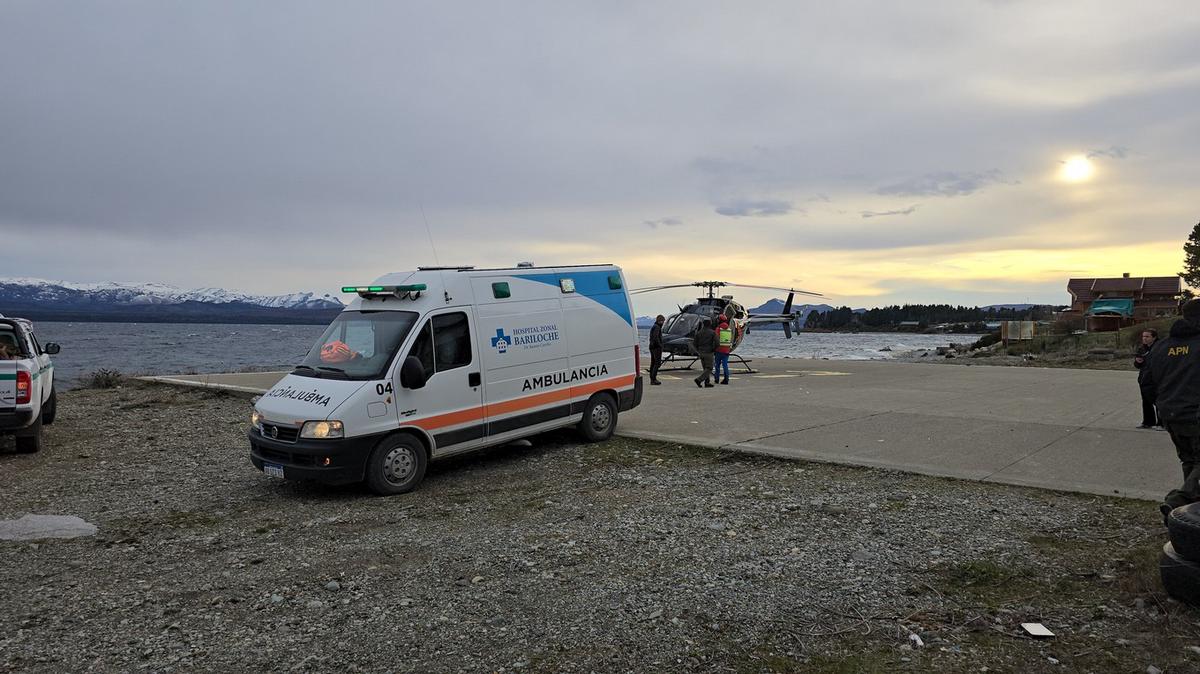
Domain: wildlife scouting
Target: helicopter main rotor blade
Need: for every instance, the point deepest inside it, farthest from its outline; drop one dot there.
(651, 289)
(786, 290)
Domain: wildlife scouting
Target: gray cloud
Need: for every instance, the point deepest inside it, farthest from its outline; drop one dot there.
(665, 222)
(144, 137)
(757, 208)
(880, 214)
(1111, 152)
(944, 184)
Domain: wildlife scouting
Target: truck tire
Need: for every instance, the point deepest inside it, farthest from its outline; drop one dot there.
(1180, 578)
(1183, 525)
(29, 441)
(396, 465)
(599, 418)
(50, 408)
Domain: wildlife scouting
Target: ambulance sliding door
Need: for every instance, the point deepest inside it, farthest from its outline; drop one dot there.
(524, 353)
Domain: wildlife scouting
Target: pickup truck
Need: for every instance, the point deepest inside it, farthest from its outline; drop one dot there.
(27, 399)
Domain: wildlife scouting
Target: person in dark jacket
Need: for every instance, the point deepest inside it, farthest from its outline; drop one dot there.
(705, 344)
(1172, 371)
(1149, 414)
(656, 348)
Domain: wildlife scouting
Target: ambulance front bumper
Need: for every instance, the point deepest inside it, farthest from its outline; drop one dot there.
(341, 461)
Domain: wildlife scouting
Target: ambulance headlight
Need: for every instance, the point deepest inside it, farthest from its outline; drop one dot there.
(255, 418)
(321, 430)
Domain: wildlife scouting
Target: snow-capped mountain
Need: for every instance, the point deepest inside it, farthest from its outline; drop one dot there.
(133, 294)
(42, 300)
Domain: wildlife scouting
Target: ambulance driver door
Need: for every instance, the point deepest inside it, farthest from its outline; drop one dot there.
(450, 405)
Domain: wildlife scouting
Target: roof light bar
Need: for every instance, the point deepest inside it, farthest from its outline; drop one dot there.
(366, 291)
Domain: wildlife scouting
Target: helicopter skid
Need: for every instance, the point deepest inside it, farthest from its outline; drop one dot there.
(677, 358)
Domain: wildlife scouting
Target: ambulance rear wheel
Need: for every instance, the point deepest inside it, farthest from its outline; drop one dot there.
(30, 441)
(599, 418)
(396, 466)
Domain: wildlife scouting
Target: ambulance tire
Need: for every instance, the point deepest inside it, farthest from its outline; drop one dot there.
(599, 418)
(50, 408)
(396, 465)
(1180, 577)
(1183, 526)
(29, 441)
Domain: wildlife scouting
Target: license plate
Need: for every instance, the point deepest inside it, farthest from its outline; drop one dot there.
(274, 470)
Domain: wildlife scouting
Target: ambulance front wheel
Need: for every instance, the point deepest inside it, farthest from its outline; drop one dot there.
(397, 465)
(599, 418)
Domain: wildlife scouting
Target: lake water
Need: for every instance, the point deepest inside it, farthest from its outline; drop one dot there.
(169, 348)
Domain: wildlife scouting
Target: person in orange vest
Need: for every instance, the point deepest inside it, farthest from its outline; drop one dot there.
(724, 347)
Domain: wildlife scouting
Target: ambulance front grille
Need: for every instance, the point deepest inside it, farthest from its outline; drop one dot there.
(280, 433)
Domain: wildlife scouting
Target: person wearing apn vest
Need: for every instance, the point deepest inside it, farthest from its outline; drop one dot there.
(1172, 371)
(724, 346)
(705, 342)
(656, 348)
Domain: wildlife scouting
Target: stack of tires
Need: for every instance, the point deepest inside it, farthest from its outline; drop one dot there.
(1180, 560)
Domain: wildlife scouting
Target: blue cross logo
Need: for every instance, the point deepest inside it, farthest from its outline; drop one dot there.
(501, 341)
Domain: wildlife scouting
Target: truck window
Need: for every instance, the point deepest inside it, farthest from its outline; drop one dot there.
(452, 341)
(8, 345)
(358, 345)
(444, 343)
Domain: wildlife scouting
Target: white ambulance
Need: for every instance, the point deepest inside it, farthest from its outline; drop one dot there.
(27, 398)
(440, 361)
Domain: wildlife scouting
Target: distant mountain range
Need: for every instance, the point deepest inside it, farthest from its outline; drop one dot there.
(42, 300)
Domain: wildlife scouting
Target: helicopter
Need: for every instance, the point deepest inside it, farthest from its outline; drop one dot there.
(680, 329)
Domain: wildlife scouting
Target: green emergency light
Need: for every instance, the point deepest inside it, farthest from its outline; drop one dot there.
(385, 290)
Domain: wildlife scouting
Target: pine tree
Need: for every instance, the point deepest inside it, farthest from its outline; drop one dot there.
(1191, 259)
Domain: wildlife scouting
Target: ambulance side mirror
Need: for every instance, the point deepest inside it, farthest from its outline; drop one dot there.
(51, 348)
(412, 373)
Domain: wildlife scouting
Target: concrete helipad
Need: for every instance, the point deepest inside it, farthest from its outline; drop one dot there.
(1072, 430)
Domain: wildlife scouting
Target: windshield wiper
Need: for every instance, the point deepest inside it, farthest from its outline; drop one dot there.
(306, 370)
(335, 370)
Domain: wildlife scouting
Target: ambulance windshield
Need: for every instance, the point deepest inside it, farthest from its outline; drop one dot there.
(357, 345)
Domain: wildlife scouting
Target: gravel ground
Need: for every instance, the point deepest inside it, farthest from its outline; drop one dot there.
(621, 556)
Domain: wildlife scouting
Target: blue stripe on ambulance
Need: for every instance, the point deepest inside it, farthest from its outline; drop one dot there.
(592, 285)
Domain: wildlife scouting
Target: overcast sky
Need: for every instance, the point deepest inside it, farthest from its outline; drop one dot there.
(879, 152)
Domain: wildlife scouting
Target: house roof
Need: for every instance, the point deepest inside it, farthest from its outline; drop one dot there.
(1087, 289)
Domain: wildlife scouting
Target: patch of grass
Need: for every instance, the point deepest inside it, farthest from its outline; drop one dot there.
(979, 573)
(1139, 576)
(175, 519)
(102, 378)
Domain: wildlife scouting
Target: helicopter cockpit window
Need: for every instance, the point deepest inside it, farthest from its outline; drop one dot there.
(683, 325)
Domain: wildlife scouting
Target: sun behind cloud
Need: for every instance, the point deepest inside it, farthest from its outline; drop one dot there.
(1077, 169)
